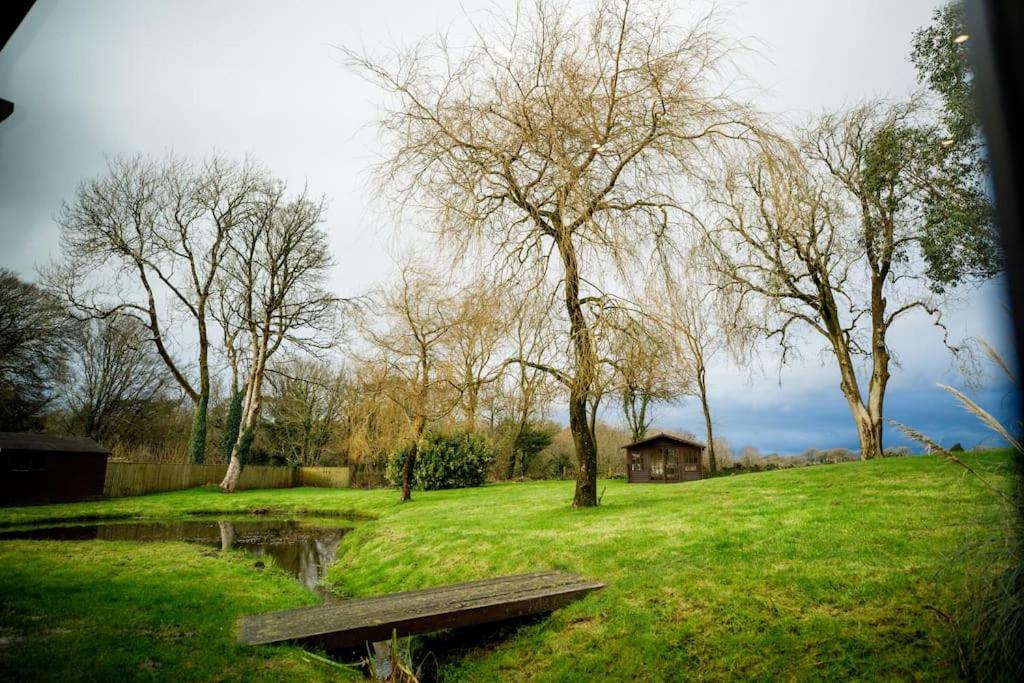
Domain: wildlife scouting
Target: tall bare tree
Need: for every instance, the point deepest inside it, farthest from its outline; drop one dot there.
(278, 261)
(116, 376)
(529, 389)
(307, 409)
(147, 239)
(228, 311)
(408, 329)
(474, 344)
(36, 337)
(650, 368)
(703, 327)
(556, 138)
(825, 233)
(378, 425)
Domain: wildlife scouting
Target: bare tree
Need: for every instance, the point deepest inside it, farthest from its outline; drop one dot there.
(703, 341)
(650, 368)
(116, 376)
(696, 320)
(228, 311)
(307, 409)
(147, 239)
(278, 261)
(531, 390)
(557, 137)
(35, 339)
(378, 426)
(474, 344)
(825, 233)
(408, 331)
(750, 458)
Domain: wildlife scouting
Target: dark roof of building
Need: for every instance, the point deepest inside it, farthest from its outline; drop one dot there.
(23, 441)
(665, 435)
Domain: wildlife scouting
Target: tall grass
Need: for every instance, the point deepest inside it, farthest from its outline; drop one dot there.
(990, 626)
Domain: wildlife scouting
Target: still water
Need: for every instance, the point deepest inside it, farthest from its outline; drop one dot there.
(302, 549)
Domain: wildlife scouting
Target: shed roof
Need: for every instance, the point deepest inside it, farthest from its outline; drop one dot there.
(665, 435)
(23, 441)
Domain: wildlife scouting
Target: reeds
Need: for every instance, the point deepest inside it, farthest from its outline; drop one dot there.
(990, 625)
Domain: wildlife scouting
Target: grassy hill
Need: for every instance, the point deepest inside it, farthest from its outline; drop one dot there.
(841, 571)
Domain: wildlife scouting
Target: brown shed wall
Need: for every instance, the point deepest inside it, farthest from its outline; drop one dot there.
(656, 467)
(32, 477)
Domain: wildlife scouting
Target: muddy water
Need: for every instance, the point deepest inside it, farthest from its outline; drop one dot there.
(303, 549)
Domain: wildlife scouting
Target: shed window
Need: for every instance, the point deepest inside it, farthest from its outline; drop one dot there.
(657, 468)
(636, 462)
(690, 461)
(26, 462)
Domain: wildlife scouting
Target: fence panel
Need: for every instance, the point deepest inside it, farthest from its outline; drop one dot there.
(134, 479)
(326, 477)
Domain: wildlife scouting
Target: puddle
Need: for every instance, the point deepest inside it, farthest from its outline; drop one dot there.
(302, 549)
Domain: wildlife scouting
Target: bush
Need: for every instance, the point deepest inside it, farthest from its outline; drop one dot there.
(446, 460)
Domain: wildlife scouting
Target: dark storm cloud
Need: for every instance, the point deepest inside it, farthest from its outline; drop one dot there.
(821, 419)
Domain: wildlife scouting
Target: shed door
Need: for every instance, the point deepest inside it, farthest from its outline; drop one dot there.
(671, 456)
(657, 461)
(665, 464)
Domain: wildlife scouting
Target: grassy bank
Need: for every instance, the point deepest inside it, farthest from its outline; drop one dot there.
(107, 611)
(832, 572)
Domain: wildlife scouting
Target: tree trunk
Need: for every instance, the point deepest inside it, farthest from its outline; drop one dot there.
(586, 453)
(867, 418)
(869, 432)
(410, 463)
(702, 385)
(244, 440)
(641, 425)
(250, 414)
(510, 471)
(246, 435)
(868, 423)
(585, 361)
(879, 367)
(636, 418)
(593, 406)
(520, 427)
(197, 439)
(472, 402)
(197, 436)
(231, 477)
(232, 422)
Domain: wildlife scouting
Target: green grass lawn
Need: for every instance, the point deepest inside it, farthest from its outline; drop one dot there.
(831, 572)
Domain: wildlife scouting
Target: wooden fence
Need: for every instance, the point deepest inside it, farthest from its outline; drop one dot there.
(133, 479)
(323, 477)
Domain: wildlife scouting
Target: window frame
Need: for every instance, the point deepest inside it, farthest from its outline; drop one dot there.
(691, 461)
(636, 461)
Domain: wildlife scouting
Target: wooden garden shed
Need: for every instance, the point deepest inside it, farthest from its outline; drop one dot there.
(664, 458)
(39, 468)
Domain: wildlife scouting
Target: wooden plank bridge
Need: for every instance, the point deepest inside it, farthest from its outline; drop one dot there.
(351, 623)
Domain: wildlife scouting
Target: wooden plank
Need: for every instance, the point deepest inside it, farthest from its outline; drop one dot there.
(353, 622)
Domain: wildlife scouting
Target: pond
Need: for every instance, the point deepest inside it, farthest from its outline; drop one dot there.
(302, 548)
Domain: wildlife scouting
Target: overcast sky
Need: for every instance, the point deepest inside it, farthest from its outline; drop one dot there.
(91, 79)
